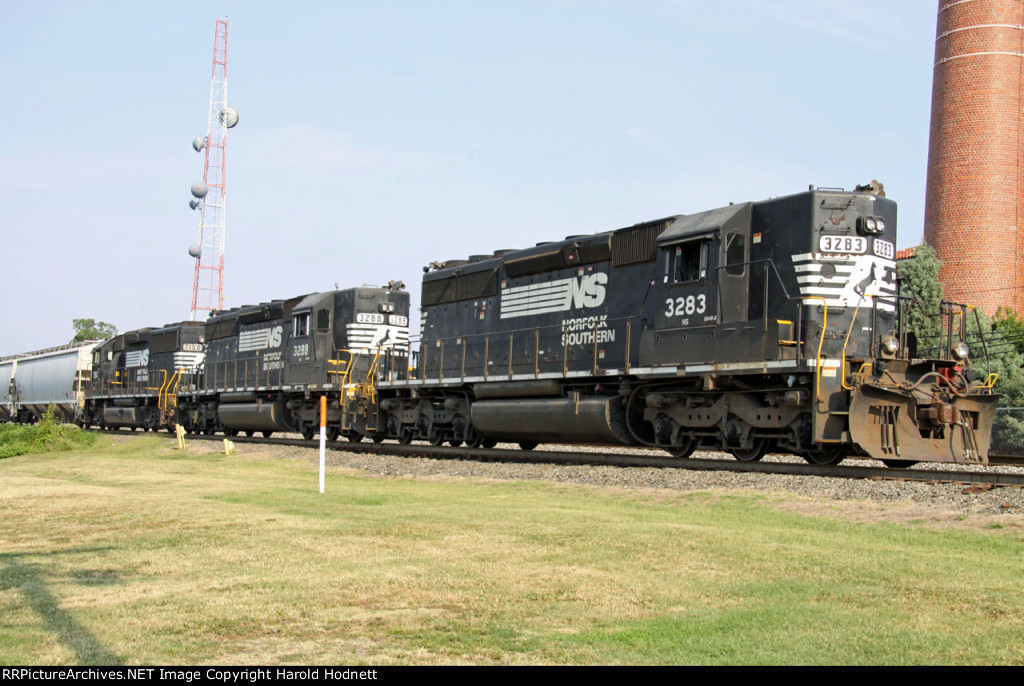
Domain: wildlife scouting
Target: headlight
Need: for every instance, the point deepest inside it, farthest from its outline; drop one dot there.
(890, 343)
(871, 226)
(960, 351)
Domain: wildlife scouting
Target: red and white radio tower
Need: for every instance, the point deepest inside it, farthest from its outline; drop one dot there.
(210, 194)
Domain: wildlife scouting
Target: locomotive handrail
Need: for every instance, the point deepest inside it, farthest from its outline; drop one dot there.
(160, 394)
(821, 344)
(514, 335)
(990, 383)
(846, 342)
(981, 335)
(366, 387)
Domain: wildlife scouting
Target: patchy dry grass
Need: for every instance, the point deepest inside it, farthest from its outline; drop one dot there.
(135, 553)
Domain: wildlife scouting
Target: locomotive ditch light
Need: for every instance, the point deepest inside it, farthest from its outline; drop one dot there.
(871, 226)
(890, 344)
(960, 351)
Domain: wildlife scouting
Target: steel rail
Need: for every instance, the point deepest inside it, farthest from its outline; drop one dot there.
(644, 458)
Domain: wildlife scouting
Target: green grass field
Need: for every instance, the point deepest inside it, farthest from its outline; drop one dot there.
(132, 552)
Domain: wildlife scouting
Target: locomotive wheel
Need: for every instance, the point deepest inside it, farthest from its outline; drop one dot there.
(488, 443)
(476, 441)
(405, 438)
(378, 439)
(209, 430)
(354, 437)
(268, 434)
(528, 445)
(683, 451)
(899, 464)
(753, 453)
(307, 431)
(435, 439)
(825, 457)
(332, 433)
(455, 443)
(249, 433)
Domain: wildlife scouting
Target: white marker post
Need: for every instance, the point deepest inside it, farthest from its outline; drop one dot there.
(323, 437)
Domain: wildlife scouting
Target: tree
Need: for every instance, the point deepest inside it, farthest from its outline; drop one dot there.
(998, 346)
(91, 330)
(919, 277)
(1006, 346)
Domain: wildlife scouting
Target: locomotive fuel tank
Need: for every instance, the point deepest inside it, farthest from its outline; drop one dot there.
(553, 420)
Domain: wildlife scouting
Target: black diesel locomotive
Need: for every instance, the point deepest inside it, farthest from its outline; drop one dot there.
(257, 368)
(267, 365)
(135, 376)
(760, 326)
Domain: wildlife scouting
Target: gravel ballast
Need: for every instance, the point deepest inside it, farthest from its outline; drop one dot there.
(869, 499)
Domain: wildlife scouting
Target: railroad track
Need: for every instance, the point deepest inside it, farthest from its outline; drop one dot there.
(640, 457)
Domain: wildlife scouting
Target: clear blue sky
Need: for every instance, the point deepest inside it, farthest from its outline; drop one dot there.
(378, 136)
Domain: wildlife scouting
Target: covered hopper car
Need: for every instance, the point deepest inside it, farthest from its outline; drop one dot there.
(33, 382)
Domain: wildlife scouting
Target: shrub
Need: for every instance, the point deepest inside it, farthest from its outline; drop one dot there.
(46, 436)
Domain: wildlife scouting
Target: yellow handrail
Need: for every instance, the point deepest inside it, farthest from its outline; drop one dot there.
(821, 344)
(990, 382)
(160, 392)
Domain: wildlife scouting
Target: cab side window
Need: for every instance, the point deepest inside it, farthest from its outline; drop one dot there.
(687, 262)
(301, 325)
(323, 321)
(735, 254)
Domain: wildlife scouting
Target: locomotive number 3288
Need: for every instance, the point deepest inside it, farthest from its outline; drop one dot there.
(684, 305)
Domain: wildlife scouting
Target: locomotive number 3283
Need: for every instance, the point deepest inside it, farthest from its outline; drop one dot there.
(684, 305)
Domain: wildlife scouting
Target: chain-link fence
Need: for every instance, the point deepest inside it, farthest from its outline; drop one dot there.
(1008, 432)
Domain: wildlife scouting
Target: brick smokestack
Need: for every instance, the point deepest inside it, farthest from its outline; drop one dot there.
(973, 208)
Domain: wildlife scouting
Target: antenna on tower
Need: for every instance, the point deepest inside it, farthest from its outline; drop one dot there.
(210, 194)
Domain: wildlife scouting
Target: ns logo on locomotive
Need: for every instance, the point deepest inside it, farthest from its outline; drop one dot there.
(776, 325)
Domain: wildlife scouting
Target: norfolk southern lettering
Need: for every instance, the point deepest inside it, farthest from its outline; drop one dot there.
(583, 330)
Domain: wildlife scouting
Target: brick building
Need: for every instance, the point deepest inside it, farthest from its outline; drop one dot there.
(974, 197)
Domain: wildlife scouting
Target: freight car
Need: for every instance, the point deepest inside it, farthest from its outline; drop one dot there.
(55, 377)
(772, 325)
(8, 411)
(135, 376)
(267, 365)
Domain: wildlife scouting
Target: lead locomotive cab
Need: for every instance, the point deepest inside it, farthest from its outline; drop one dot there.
(703, 289)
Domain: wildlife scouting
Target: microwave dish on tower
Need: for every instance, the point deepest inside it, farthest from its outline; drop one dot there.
(210, 194)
